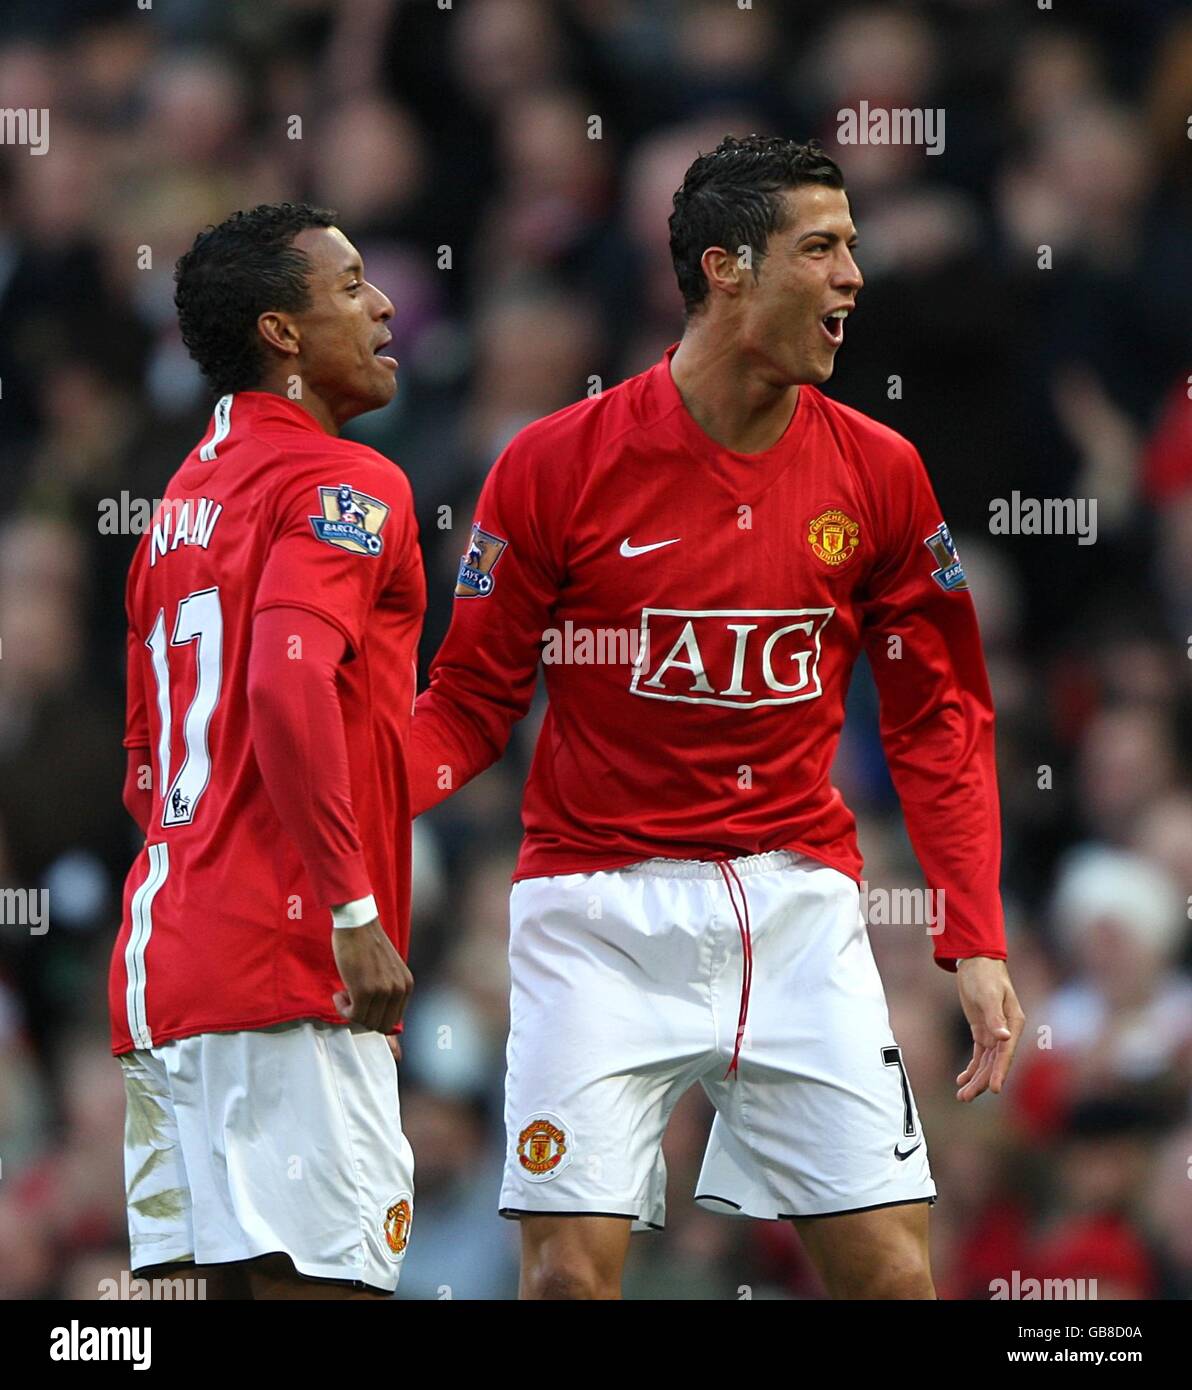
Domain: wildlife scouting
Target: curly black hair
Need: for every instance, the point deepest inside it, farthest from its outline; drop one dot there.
(732, 197)
(234, 273)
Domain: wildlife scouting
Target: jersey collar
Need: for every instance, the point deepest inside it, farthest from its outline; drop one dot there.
(268, 405)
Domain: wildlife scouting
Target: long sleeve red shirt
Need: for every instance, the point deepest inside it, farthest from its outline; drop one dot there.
(274, 609)
(698, 613)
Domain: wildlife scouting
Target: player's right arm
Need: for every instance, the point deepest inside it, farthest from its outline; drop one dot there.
(482, 679)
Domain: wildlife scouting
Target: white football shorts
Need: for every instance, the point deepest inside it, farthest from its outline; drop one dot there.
(274, 1139)
(627, 987)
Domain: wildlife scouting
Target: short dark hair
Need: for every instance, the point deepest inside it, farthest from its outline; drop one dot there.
(231, 276)
(732, 197)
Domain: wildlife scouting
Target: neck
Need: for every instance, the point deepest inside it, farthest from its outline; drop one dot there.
(314, 405)
(726, 393)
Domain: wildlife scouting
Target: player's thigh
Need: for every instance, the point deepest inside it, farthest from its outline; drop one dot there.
(871, 1254)
(273, 1278)
(598, 1052)
(612, 962)
(573, 1257)
(820, 1118)
(190, 1281)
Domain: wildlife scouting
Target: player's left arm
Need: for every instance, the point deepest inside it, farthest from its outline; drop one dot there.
(920, 632)
(334, 570)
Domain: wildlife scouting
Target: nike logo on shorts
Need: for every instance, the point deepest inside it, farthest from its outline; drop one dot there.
(900, 1155)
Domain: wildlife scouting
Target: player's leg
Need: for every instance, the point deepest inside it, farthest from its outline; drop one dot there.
(871, 1254)
(269, 1277)
(610, 1023)
(294, 1156)
(273, 1278)
(192, 1281)
(819, 1123)
(573, 1257)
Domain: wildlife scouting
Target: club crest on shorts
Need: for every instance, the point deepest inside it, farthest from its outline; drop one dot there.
(477, 564)
(834, 537)
(543, 1147)
(350, 520)
(396, 1225)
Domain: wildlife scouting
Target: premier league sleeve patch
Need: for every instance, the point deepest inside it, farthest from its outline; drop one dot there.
(477, 564)
(950, 574)
(350, 520)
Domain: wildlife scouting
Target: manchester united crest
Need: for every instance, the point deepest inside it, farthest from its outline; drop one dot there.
(543, 1148)
(397, 1225)
(834, 536)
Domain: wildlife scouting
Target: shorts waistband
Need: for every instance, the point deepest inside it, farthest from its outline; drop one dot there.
(707, 868)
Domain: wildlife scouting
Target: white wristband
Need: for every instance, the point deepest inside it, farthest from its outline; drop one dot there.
(354, 914)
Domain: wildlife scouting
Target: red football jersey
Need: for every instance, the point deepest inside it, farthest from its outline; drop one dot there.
(221, 927)
(698, 613)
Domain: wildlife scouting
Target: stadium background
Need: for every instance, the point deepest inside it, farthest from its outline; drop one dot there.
(468, 128)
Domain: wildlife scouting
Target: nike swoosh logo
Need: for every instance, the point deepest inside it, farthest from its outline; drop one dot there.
(900, 1155)
(631, 550)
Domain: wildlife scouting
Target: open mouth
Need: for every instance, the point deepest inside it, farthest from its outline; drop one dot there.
(833, 326)
(381, 356)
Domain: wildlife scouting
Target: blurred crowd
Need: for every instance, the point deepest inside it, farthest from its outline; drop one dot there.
(506, 167)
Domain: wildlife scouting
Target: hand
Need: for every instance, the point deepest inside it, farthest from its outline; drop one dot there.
(992, 1009)
(377, 982)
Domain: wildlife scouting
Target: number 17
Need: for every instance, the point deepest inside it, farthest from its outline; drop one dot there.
(199, 620)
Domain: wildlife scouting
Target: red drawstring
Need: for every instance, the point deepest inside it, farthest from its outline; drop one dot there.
(726, 869)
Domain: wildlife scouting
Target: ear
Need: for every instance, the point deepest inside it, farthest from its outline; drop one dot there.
(280, 332)
(724, 269)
